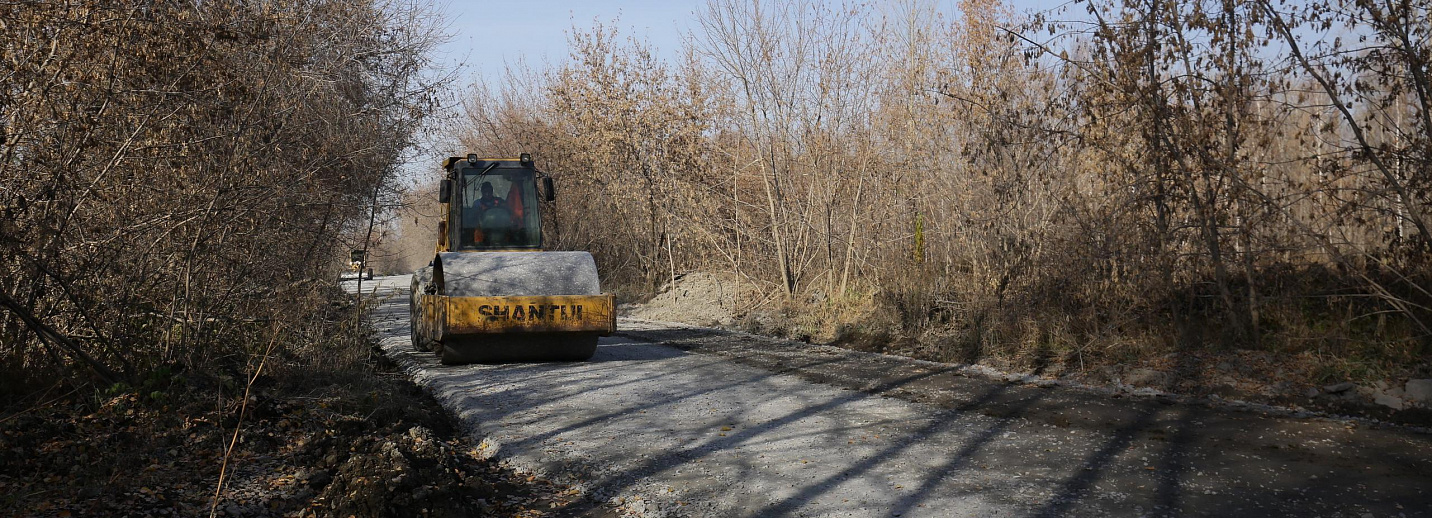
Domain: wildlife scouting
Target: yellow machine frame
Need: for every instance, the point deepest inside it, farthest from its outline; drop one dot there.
(448, 319)
(476, 316)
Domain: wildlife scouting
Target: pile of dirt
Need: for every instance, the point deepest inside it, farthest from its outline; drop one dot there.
(698, 298)
(360, 444)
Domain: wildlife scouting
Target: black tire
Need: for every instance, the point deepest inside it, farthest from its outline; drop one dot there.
(520, 347)
(414, 319)
(577, 348)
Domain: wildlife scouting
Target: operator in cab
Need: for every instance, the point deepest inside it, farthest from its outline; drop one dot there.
(488, 201)
(490, 219)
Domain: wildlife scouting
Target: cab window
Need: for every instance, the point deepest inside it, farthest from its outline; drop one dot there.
(497, 209)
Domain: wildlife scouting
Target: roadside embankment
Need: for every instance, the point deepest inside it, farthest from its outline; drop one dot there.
(346, 435)
(1299, 382)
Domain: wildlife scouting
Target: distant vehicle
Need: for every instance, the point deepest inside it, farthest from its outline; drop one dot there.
(492, 294)
(356, 259)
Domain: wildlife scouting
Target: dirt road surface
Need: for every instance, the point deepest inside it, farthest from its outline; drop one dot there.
(668, 420)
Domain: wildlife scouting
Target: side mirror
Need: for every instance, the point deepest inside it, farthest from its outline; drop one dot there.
(548, 186)
(445, 191)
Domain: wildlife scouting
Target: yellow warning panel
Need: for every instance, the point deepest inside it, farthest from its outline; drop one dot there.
(538, 314)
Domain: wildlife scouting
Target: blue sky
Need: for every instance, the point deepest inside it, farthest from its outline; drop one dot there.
(489, 32)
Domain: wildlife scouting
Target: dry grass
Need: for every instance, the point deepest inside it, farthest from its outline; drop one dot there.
(990, 187)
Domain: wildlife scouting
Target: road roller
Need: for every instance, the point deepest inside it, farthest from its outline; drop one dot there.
(492, 293)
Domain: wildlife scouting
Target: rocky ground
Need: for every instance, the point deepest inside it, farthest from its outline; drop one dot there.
(363, 442)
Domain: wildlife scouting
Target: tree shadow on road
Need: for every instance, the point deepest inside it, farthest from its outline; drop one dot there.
(1122, 455)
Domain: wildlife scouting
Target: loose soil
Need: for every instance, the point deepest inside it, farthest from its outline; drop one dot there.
(363, 443)
(698, 298)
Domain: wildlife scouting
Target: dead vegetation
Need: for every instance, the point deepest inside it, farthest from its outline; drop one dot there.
(180, 183)
(352, 437)
(1139, 179)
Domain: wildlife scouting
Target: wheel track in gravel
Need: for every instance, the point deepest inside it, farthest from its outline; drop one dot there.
(668, 419)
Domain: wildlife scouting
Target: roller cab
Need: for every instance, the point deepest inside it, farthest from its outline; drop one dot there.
(491, 293)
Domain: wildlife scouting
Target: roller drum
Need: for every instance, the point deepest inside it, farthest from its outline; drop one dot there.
(506, 274)
(484, 309)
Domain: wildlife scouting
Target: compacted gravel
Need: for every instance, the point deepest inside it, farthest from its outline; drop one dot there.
(672, 420)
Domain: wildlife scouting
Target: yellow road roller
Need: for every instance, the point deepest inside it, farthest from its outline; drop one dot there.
(492, 293)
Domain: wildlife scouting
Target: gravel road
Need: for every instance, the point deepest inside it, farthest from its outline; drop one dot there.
(670, 420)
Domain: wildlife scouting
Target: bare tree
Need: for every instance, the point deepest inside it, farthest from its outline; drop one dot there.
(176, 178)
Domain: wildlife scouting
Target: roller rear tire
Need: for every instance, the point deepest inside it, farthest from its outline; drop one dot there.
(520, 348)
(415, 318)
